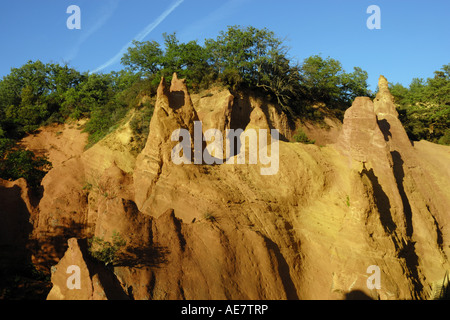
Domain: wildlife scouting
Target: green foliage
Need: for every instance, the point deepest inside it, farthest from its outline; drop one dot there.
(38, 94)
(89, 95)
(132, 96)
(256, 58)
(322, 78)
(424, 107)
(105, 117)
(106, 99)
(325, 81)
(145, 57)
(209, 217)
(16, 163)
(29, 95)
(399, 92)
(106, 251)
(103, 120)
(239, 57)
(248, 57)
(301, 136)
(140, 125)
(87, 187)
(187, 59)
(248, 50)
(445, 139)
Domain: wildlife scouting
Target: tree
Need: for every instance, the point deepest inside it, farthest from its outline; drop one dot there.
(283, 80)
(188, 60)
(354, 85)
(248, 57)
(16, 163)
(417, 90)
(145, 57)
(326, 81)
(255, 58)
(399, 92)
(93, 92)
(323, 79)
(122, 80)
(32, 110)
(31, 94)
(439, 86)
(246, 50)
(424, 107)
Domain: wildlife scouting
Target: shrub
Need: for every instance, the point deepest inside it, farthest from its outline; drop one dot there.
(87, 187)
(445, 139)
(106, 251)
(209, 217)
(301, 136)
(140, 125)
(18, 163)
(103, 121)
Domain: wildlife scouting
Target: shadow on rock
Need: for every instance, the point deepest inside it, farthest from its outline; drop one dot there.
(357, 295)
(136, 257)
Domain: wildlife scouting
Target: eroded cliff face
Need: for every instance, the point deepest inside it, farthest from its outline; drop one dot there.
(225, 231)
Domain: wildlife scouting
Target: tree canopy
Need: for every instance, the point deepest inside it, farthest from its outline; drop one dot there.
(424, 107)
(240, 58)
(247, 57)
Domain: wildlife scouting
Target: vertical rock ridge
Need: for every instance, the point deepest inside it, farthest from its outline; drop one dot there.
(173, 110)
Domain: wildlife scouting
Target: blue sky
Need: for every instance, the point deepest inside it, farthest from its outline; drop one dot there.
(414, 39)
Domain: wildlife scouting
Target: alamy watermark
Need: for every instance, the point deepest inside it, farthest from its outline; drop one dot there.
(374, 21)
(74, 20)
(236, 141)
(374, 281)
(74, 280)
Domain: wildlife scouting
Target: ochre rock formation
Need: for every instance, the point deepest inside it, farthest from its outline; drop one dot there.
(224, 231)
(87, 281)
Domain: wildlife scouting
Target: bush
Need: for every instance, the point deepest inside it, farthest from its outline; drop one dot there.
(209, 217)
(105, 251)
(445, 139)
(103, 119)
(424, 107)
(140, 125)
(18, 163)
(301, 136)
(425, 123)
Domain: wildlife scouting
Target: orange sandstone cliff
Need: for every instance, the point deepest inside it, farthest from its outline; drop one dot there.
(195, 231)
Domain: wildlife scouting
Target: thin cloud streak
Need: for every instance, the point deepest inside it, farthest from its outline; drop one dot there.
(140, 36)
(110, 9)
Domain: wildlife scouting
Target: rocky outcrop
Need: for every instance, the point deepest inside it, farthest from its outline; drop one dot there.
(311, 230)
(173, 111)
(424, 200)
(401, 181)
(361, 133)
(363, 142)
(75, 277)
